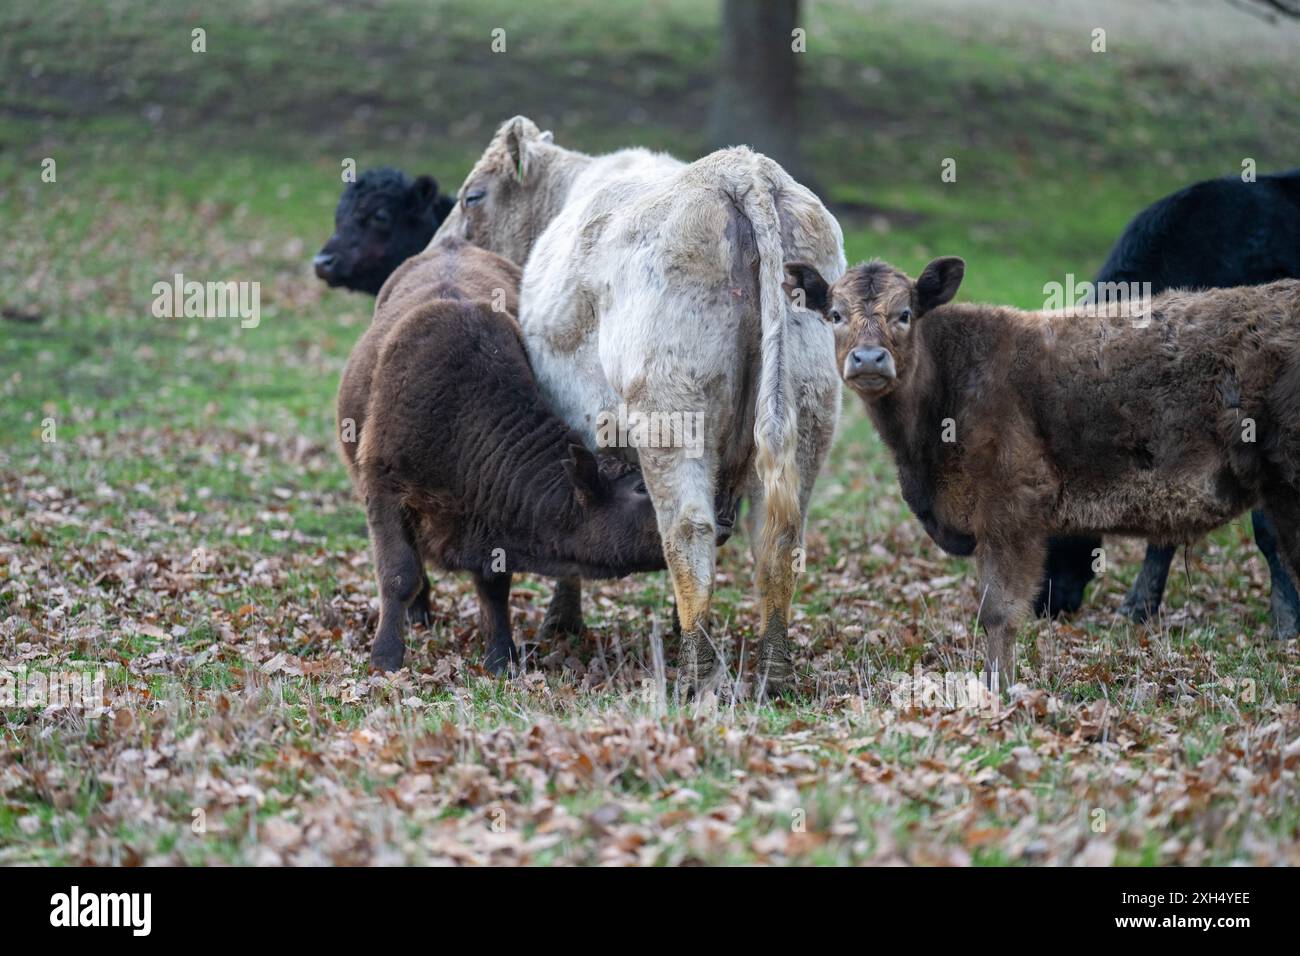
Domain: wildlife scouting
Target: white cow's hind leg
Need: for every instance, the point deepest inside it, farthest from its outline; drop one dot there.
(681, 489)
(776, 556)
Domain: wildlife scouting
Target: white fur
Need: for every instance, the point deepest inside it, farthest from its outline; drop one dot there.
(656, 285)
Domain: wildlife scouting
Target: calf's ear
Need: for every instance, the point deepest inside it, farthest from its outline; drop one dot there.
(805, 286)
(939, 282)
(584, 473)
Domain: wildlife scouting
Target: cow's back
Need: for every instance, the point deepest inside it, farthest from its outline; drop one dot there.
(650, 275)
(1218, 233)
(1116, 400)
(451, 269)
(565, 282)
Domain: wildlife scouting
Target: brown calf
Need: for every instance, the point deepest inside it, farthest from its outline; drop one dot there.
(461, 463)
(451, 269)
(1009, 426)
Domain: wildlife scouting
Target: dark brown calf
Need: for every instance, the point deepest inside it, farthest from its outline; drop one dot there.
(459, 461)
(453, 269)
(1010, 426)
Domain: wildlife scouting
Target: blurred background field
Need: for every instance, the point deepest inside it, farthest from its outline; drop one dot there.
(193, 527)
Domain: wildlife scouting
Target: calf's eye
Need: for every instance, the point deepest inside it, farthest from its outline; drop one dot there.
(836, 317)
(475, 196)
(904, 317)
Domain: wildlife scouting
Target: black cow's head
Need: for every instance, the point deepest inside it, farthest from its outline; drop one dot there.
(382, 220)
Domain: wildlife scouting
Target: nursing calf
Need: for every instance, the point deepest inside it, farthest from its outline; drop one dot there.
(1010, 426)
(461, 463)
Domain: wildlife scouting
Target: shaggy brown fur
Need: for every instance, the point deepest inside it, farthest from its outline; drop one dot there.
(451, 269)
(1071, 424)
(460, 461)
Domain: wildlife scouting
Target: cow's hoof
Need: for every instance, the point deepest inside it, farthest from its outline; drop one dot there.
(776, 681)
(997, 680)
(500, 659)
(1137, 610)
(560, 623)
(1286, 626)
(387, 656)
(711, 684)
(699, 671)
(775, 671)
(419, 613)
(1058, 599)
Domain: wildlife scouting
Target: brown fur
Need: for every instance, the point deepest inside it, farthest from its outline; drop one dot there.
(449, 269)
(460, 462)
(1072, 423)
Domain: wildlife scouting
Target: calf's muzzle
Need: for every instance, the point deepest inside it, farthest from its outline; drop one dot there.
(869, 367)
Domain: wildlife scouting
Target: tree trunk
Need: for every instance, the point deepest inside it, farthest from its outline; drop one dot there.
(755, 103)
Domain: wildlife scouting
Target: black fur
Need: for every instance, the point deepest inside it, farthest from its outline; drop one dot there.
(382, 220)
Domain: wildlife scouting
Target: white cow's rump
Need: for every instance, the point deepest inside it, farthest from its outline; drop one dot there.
(653, 288)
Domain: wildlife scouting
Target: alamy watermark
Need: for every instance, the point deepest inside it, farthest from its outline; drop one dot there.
(182, 298)
(133, 911)
(942, 690)
(1114, 299)
(635, 429)
(77, 690)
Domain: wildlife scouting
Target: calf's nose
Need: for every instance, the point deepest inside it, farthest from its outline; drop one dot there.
(324, 264)
(869, 361)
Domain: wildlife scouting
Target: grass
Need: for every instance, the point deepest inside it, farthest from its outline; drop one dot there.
(190, 530)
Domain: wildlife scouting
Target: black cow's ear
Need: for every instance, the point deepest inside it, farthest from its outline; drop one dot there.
(424, 190)
(805, 286)
(939, 283)
(584, 472)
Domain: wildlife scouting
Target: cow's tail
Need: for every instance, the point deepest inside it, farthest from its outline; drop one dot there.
(776, 423)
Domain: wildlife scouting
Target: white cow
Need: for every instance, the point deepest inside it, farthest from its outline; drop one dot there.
(652, 288)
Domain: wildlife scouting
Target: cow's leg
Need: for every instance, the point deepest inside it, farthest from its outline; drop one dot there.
(1283, 600)
(777, 550)
(1143, 601)
(399, 573)
(564, 613)
(1068, 571)
(1009, 571)
(1282, 502)
(420, 611)
(775, 567)
(494, 621)
(681, 489)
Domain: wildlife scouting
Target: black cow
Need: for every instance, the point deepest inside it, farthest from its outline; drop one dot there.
(1214, 234)
(382, 220)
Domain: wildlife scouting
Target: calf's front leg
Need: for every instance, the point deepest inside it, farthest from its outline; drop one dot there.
(494, 620)
(1009, 573)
